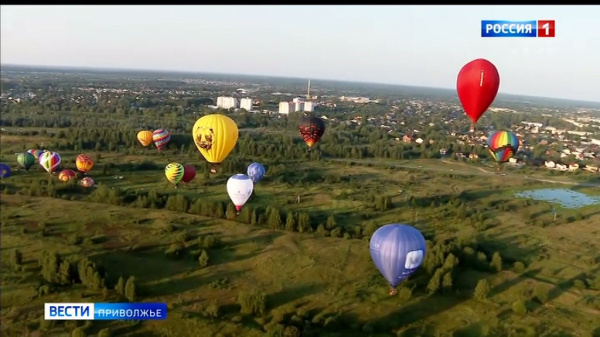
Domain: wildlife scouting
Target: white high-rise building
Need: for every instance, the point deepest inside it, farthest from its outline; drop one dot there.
(309, 106)
(246, 103)
(286, 107)
(227, 102)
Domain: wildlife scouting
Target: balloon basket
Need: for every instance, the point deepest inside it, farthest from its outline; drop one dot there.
(393, 291)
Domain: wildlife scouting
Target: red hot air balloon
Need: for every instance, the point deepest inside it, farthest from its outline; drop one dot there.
(311, 129)
(189, 173)
(477, 85)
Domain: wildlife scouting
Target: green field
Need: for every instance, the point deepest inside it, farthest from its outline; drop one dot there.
(265, 280)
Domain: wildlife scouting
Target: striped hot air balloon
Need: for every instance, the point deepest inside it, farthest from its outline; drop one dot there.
(50, 161)
(161, 137)
(174, 173)
(36, 153)
(84, 163)
(503, 145)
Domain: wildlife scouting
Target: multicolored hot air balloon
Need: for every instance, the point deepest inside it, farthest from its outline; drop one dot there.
(256, 171)
(87, 182)
(36, 153)
(50, 161)
(174, 173)
(477, 85)
(397, 251)
(84, 163)
(66, 175)
(189, 173)
(503, 145)
(215, 137)
(4, 170)
(239, 188)
(311, 129)
(161, 137)
(145, 137)
(26, 160)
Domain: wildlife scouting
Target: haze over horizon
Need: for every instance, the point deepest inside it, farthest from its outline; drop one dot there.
(403, 45)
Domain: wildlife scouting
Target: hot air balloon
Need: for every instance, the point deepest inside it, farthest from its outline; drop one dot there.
(161, 137)
(84, 163)
(239, 188)
(256, 171)
(50, 161)
(174, 173)
(87, 182)
(66, 175)
(4, 170)
(397, 250)
(502, 146)
(215, 136)
(145, 137)
(477, 85)
(189, 173)
(311, 129)
(35, 153)
(26, 160)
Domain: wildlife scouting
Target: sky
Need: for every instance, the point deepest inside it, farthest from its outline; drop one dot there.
(409, 45)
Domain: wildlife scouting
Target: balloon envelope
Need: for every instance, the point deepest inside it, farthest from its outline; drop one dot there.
(145, 137)
(239, 188)
(311, 129)
(87, 182)
(215, 137)
(4, 170)
(502, 139)
(161, 137)
(50, 161)
(66, 175)
(397, 250)
(35, 153)
(84, 163)
(256, 171)
(477, 85)
(26, 160)
(189, 173)
(174, 172)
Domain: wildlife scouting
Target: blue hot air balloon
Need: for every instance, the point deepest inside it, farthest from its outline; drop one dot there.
(4, 170)
(256, 171)
(397, 250)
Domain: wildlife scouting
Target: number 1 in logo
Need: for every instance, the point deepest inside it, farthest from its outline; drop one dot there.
(545, 28)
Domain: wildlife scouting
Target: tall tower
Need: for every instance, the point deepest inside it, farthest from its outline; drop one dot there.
(308, 92)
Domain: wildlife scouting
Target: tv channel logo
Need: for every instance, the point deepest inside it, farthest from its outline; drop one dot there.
(504, 28)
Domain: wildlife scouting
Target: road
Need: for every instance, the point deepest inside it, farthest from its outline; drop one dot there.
(482, 172)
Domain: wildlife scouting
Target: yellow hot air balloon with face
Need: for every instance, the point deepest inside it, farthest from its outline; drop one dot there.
(215, 136)
(145, 137)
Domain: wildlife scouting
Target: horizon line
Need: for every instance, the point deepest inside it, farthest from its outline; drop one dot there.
(93, 68)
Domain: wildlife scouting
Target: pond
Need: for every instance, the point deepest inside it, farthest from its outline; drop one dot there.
(565, 197)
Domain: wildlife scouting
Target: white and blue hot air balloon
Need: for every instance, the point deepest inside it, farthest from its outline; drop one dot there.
(397, 250)
(239, 188)
(256, 171)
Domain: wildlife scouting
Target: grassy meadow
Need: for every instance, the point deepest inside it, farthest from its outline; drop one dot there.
(264, 280)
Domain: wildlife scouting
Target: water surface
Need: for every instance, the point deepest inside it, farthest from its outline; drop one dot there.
(565, 197)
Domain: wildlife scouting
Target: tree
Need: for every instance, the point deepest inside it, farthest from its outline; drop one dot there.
(290, 222)
(78, 332)
(304, 223)
(203, 259)
(104, 332)
(16, 257)
(447, 281)
(519, 307)
(482, 289)
(231, 212)
(330, 222)
(496, 263)
(434, 283)
(274, 220)
(120, 286)
(540, 293)
(130, 289)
